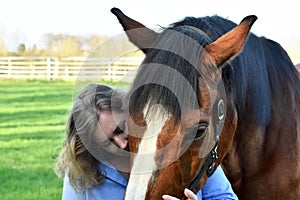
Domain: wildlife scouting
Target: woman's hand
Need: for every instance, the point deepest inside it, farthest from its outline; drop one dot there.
(188, 193)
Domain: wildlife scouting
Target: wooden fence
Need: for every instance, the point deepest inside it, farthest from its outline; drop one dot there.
(70, 68)
(54, 68)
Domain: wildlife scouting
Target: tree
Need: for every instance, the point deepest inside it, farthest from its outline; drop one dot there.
(62, 45)
(3, 50)
(21, 49)
(34, 51)
(68, 46)
(94, 41)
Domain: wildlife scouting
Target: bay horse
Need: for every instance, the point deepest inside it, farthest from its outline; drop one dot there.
(209, 92)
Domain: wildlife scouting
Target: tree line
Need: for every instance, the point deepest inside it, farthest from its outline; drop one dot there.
(63, 45)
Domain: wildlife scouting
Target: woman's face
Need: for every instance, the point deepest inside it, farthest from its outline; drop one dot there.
(113, 129)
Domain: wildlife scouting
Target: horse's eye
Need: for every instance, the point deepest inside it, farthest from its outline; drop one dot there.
(202, 129)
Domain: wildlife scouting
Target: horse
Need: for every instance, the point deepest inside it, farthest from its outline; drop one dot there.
(208, 93)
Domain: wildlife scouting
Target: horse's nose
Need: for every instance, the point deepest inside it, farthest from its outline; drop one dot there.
(121, 140)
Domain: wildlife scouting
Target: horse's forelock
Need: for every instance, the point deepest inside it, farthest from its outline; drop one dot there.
(169, 73)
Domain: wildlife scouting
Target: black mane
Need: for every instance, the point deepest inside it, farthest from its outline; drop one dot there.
(253, 77)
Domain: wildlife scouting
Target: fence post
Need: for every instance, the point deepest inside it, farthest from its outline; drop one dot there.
(66, 72)
(109, 71)
(9, 67)
(56, 68)
(48, 69)
(32, 68)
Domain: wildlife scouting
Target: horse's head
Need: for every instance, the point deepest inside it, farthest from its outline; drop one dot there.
(180, 111)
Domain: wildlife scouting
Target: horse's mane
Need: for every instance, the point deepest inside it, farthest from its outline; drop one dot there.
(253, 77)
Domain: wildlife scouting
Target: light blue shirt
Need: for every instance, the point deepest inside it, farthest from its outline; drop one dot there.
(217, 187)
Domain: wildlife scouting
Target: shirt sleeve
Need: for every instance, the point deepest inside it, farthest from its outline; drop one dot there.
(69, 193)
(217, 187)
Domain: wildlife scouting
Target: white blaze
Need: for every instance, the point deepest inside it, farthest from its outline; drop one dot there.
(144, 162)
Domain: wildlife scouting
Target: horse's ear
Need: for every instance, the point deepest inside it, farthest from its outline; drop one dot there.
(137, 33)
(230, 44)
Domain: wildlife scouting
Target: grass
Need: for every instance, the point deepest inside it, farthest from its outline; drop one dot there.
(32, 123)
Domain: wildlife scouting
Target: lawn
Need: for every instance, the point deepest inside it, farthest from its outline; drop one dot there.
(32, 123)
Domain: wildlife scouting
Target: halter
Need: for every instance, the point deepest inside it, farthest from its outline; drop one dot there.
(211, 159)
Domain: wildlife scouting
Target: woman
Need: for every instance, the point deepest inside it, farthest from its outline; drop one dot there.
(94, 134)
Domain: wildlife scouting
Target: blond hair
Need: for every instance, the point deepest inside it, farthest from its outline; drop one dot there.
(75, 160)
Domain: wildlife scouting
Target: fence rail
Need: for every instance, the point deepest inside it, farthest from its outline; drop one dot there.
(70, 68)
(54, 68)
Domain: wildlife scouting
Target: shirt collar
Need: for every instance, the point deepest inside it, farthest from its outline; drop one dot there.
(112, 173)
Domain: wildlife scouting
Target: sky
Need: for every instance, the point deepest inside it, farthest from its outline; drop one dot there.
(27, 21)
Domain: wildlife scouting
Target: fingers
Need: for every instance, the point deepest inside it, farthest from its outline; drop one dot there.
(168, 197)
(188, 193)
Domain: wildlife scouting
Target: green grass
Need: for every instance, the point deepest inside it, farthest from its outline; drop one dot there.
(32, 123)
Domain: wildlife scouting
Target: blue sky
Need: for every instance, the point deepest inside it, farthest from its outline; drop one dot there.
(27, 21)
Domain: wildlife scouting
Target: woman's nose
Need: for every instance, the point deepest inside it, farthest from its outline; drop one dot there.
(121, 140)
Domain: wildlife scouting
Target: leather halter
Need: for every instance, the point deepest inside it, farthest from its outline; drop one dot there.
(211, 159)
